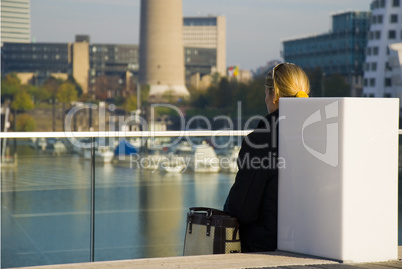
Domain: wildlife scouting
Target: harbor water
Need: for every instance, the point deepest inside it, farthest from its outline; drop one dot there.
(45, 204)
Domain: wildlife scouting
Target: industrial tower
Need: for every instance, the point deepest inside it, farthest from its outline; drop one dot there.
(161, 47)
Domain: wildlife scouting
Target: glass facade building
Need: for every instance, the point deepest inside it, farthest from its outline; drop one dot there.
(340, 51)
(41, 59)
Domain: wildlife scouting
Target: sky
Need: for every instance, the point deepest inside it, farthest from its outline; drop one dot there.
(255, 29)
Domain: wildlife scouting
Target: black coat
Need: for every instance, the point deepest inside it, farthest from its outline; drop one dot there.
(253, 198)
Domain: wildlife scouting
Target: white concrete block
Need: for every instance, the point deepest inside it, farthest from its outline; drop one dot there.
(338, 195)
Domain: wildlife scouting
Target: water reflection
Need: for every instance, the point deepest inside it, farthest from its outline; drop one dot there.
(45, 210)
(163, 201)
(139, 214)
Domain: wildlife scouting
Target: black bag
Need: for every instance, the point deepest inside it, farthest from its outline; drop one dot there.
(211, 231)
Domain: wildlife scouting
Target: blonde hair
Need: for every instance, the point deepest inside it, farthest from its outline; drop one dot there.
(289, 80)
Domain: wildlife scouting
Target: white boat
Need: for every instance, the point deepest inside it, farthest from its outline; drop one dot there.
(174, 164)
(102, 154)
(204, 159)
(233, 168)
(184, 147)
(55, 146)
(41, 143)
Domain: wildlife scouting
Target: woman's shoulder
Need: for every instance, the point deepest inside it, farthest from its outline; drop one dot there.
(269, 120)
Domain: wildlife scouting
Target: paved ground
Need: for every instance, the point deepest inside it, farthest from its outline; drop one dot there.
(264, 260)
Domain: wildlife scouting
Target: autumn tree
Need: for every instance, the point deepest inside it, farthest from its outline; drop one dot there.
(66, 94)
(130, 104)
(10, 85)
(38, 94)
(25, 123)
(51, 86)
(22, 102)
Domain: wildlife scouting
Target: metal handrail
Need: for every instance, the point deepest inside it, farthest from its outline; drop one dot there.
(191, 133)
(98, 134)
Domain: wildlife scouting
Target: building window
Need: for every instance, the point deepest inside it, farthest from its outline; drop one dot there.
(371, 95)
(382, 3)
(374, 19)
(372, 82)
(373, 66)
(371, 35)
(391, 34)
(387, 82)
(375, 50)
(365, 82)
(387, 95)
(377, 34)
(367, 67)
(388, 67)
(395, 3)
(368, 51)
(379, 19)
(394, 18)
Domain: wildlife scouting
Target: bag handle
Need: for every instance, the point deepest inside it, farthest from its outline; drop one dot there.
(210, 211)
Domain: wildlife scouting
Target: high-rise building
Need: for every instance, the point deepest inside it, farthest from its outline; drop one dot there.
(204, 40)
(395, 71)
(341, 51)
(385, 29)
(15, 21)
(161, 47)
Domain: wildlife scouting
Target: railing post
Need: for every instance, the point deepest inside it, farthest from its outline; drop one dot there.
(92, 202)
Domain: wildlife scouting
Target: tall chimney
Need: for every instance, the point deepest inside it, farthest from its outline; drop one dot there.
(161, 47)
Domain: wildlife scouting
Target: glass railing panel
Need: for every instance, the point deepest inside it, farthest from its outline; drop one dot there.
(142, 198)
(400, 192)
(45, 203)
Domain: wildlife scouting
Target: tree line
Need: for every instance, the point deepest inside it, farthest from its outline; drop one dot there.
(222, 97)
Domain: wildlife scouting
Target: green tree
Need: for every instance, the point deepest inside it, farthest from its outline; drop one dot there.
(22, 101)
(66, 94)
(255, 98)
(51, 86)
(335, 86)
(78, 87)
(316, 78)
(10, 85)
(38, 94)
(25, 123)
(224, 95)
(130, 104)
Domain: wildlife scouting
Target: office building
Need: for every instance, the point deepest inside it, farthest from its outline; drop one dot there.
(39, 59)
(341, 51)
(204, 40)
(35, 62)
(385, 30)
(113, 59)
(15, 21)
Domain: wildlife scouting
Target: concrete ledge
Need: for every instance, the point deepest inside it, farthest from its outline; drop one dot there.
(229, 261)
